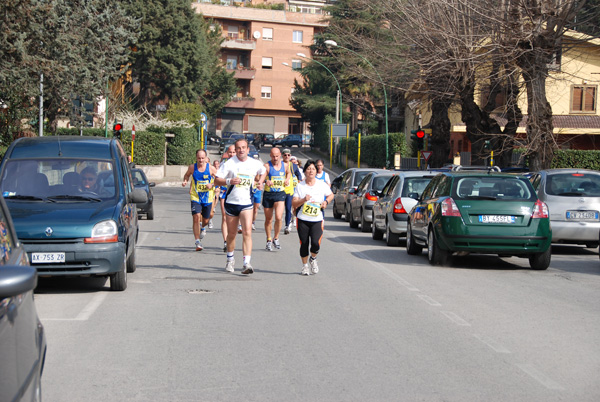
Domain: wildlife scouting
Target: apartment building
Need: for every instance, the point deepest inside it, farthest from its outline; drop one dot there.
(258, 43)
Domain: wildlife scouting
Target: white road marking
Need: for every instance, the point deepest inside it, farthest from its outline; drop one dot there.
(456, 319)
(428, 300)
(87, 311)
(495, 346)
(540, 377)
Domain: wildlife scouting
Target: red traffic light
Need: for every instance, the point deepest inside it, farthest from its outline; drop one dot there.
(420, 134)
(118, 127)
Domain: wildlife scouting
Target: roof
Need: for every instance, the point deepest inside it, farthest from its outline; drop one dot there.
(61, 147)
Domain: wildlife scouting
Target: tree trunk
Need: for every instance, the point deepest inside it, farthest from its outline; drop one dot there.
(440, 132)
(540, 135)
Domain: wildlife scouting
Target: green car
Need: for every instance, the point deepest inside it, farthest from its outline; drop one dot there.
(480, 212)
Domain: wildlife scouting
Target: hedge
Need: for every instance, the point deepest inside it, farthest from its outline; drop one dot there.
(372, 152)
(571, 158)
(182, 149)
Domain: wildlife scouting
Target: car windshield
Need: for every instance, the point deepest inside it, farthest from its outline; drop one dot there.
(138, 178)
(492, 187)
(379, 182)
(414, 185)
(56, 180)
(573, 184)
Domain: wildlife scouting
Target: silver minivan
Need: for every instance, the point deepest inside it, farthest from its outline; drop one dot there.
(573, 199)
(390, 211)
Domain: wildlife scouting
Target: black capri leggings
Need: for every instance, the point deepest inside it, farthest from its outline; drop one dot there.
(310, 232)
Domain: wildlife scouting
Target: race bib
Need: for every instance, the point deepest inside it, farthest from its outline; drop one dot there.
(246, 181)
(311, 209)
(202, 186)
(277, 183)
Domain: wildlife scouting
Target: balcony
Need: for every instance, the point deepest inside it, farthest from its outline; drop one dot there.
(238, 44)
(243, 73)
(241, 102)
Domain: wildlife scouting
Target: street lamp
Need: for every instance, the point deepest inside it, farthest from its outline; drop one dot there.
(333, 43)
(338, 100)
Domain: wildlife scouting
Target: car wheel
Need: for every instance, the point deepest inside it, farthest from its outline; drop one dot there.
(412, 248)
(364, 225)
(131, 267)
(435, 254)
(336, 214)
(346, 214)
(150, 213)
(118, 281)
(541, 261)
(376, 233)
(353, 222)
(392, 239)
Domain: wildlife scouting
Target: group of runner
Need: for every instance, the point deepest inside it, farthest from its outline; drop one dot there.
(243, 184)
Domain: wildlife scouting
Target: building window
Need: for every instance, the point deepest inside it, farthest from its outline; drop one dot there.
(231, 62)
(232, 31)
(297, 64)
(297, 37)
(267, 63)
(583, 99)
(267, 33)
(265, 92)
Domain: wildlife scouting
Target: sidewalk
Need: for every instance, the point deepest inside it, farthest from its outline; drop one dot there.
(303, 154)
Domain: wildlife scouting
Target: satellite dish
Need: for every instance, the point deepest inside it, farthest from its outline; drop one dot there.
(256, 35)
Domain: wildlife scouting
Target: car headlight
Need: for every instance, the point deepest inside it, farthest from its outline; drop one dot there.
(104, 232)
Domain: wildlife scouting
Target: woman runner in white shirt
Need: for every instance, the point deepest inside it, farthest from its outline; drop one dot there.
(310, 197)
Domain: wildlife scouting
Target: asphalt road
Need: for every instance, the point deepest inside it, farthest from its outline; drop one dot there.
(374, 325)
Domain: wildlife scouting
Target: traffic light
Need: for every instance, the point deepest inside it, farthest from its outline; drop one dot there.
(117, 130)
(487, 146)
(418, 136)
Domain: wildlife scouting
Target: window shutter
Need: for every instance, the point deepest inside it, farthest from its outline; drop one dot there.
(577, 99)
(590, 99)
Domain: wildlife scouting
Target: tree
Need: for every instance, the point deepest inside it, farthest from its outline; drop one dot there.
(176, 56)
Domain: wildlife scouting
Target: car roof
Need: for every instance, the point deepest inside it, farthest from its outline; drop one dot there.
(62, 146)
(569, 170)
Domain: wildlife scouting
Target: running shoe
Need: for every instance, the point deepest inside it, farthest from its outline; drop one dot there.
(269, 245)
(286, 230)
(198, 245)
(314, 267)
(202, 233)
(247, 269)
(293, 222)
(225, 247)
(229, 265)
(210, 224)
(305, 270)
(239, 228)
(276, 244)
(253, 227)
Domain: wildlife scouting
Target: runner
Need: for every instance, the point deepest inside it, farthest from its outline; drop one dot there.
(216, 165)
(238, 174)
(257, 198)
(289, 190)
(310, 198)
(201, 194)
(321, 173)
(229, 153)
(277, 178)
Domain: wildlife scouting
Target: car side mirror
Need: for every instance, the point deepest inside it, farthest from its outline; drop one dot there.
(138, 196)
(16, 280)
(152, 184)
(352, 190)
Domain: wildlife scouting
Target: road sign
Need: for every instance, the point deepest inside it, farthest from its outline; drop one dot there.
(426, 155)
(203, 117)
(339, 130)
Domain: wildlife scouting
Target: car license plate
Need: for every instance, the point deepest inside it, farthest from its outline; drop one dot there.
(47, 258)
(496, 219)
(582, 215)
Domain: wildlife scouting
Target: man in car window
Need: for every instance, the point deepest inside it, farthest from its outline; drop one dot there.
(88, 180)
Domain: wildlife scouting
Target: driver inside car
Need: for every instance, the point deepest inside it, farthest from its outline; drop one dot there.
(89, 179)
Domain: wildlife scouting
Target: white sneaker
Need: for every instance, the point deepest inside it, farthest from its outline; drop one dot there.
(253, 227)
(198, 245)
(286, 230)
(293, 222)
(229, 265)
(305, 270)
(239, 228)
(202, 233)
(314, 267)
(247, 269)
(276, 244)
(210, 224)
(269, 246)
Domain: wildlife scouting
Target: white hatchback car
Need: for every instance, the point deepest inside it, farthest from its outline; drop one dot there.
(573, 199)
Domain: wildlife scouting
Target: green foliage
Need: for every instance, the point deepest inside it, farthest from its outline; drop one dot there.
(265, 6)
(182, 150)
(321, 132)
(576, 159)
(180, 111)
(372, 152)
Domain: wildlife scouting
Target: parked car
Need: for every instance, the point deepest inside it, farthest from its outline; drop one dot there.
(395, 200)
(230, 134)
(573, 198)
(73, 204)
(480, 212)
(342, 186)
(212, 139)
(289, 141)
(253, 152)
(265, 139)
(22, 337)
(141, 181)
(226, 144)
(362, 200)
